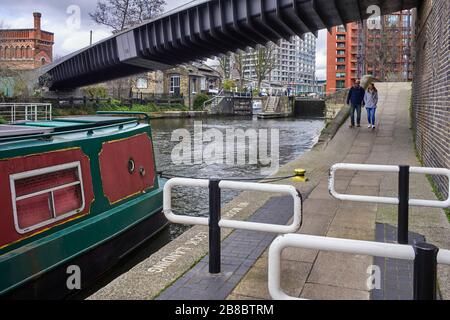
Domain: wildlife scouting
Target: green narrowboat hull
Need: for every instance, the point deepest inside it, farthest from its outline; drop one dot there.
(110, 223)
(31, 261)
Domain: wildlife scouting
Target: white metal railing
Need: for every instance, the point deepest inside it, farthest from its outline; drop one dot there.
(233, 185)
(214, 101)
(378, 249)
(17, 112)
(386, 169)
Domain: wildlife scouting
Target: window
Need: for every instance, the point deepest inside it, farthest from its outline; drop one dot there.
(340, 52)
(340, 29)
(45, 196)
(340, 84)
(392, 20)
(340, 75)
(142, 83)
(340, 60)
(340, 37)
(175, 84)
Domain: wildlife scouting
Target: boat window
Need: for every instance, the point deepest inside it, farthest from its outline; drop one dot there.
(45, 196)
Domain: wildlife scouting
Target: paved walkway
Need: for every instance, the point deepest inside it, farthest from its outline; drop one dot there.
(397, 275)
(325, 275)
(239, 253)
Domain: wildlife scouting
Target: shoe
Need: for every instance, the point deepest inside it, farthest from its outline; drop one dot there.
(369, 126)
(373, 127)
(359, 126)
(351, 126)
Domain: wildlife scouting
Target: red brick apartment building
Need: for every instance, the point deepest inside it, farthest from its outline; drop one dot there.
(25, 49)
(382, 52)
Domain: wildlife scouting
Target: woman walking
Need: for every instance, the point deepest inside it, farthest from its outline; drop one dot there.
(371, 102)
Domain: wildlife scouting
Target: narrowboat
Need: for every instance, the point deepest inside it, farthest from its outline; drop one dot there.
(77, 193)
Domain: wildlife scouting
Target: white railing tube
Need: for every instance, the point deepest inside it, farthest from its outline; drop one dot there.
(254, 226)
(234, 224)
(167, 201)
(386, 169)
(368, 248)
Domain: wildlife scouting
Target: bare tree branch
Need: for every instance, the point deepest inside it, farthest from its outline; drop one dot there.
(265, 62)
(122, 14)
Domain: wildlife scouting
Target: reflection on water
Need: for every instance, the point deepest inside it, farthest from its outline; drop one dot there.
(297, 136)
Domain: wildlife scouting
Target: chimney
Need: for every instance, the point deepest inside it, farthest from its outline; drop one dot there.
(37, 21)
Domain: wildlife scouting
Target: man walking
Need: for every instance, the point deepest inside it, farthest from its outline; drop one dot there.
(355, 99)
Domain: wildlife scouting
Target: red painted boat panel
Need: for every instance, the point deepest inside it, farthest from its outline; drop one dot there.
(31, 211)
(118, 183)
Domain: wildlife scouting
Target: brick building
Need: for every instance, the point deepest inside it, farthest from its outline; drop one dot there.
(384, 51)
(25, 49)
(431, 87)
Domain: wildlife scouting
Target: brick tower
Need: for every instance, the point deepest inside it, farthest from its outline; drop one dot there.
(25, 49)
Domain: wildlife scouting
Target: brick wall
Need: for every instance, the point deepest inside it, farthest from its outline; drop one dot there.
(431, 87)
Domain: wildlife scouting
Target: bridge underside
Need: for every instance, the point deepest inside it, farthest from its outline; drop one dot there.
(205, 29)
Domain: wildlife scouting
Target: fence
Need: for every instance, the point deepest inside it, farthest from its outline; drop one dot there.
(72, 102)
(425, 257)
(16, 112)
(215, 222)
(403, 201)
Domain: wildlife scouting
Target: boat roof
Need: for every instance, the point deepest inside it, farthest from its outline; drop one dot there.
(22, 130)
(27, 128)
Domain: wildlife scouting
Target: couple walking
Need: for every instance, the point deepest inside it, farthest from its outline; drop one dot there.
(357, 98)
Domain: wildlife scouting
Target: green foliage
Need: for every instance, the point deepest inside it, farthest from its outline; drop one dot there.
(115, 105)
(438, 194)
(200, 99)
(228, 85)
(2, 121)
(95, 92)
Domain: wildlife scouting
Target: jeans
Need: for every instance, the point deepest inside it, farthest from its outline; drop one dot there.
(371, 115)
(356, 108)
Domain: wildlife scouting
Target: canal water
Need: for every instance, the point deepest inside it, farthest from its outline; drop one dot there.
(296, 137)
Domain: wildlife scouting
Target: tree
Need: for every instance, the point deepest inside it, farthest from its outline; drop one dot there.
(123, 14)
(382, 53)
(224, 64)
(265, 62)
(239, 67)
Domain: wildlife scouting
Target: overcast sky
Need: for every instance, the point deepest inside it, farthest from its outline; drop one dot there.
(71, 35)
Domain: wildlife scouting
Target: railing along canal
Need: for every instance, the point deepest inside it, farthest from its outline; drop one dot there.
(215, 222)
(16, 112)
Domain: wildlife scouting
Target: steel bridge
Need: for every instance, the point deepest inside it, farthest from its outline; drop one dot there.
(207, 28)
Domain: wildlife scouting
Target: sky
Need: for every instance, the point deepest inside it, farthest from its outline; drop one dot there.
(71, 33)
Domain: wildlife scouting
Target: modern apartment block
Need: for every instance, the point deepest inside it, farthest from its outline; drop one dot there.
(379, 47)
(295, 65)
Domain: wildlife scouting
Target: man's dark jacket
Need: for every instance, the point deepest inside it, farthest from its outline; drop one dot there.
(356, 96)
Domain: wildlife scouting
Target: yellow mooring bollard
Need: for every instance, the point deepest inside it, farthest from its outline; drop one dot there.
(300, 176)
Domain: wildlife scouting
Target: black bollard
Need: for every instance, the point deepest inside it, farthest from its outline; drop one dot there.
(425, 271)
(214, 229)
(403, 196)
